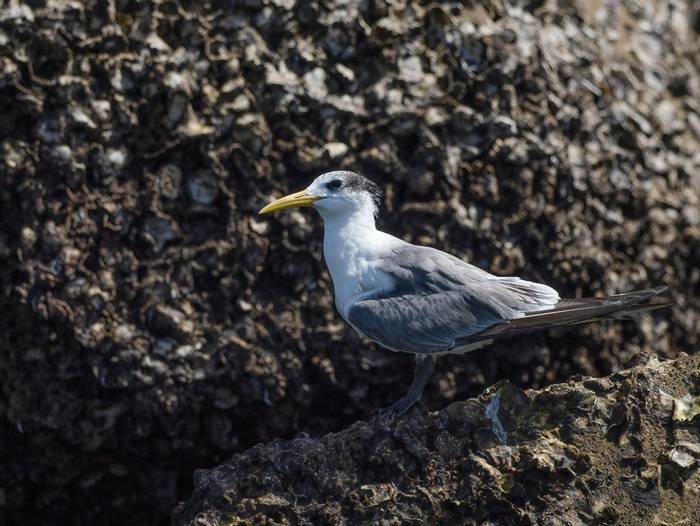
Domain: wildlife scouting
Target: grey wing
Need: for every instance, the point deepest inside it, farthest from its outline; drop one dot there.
(438, 301)
(421, 323)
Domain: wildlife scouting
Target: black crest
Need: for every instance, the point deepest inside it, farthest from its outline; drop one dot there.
(359, 183)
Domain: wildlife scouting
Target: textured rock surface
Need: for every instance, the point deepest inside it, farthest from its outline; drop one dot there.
(618, 450)
(152, 324)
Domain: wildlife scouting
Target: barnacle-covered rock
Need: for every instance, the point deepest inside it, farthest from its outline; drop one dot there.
(152, 323)
(556, 464)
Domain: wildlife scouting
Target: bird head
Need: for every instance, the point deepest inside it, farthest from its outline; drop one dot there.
(334, 194)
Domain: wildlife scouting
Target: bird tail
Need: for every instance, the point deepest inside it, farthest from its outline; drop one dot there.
(583, 310)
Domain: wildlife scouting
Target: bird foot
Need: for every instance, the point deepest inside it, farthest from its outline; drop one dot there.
(396, 409)
(424, 368)
(384, 413)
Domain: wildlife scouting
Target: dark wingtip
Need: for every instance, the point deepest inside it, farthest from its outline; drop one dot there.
(638, 296)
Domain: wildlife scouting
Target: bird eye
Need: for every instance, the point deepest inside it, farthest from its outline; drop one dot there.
(334, 184)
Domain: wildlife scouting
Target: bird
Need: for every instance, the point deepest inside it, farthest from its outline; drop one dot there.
(423, 301)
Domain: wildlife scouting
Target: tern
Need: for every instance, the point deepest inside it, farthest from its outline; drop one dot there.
(420, 300)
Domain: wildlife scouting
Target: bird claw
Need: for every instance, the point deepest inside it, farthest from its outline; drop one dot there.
(385, 413)
(424, 367)
(396, 409)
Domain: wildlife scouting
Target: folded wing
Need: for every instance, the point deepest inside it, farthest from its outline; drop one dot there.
(439, 301)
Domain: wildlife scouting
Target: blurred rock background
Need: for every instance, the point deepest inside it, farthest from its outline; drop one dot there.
(152, 323)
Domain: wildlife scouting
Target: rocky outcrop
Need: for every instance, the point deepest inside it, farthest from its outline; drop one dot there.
(624, 449)
(152, 323)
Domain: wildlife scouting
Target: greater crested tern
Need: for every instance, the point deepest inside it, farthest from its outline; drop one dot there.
(423, 301)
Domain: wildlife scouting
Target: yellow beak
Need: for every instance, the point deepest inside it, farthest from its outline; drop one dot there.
(289, 201)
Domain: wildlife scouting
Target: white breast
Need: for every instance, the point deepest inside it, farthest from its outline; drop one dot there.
(351, 256)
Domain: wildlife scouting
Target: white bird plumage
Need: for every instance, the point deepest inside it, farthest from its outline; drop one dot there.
(356, 252)
(421, 300)
(352, 245)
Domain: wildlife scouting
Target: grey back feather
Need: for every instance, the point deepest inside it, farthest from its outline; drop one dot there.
(438, 300)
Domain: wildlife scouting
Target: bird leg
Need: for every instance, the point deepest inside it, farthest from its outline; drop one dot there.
(425, 364)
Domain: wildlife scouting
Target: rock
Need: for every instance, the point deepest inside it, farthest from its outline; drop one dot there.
(556, 461)
(553, 140)
(61, 153)
(315, 83)
(202, 188)
(168, 321)
(336, 150)
(686, 408)
(170, 180)
(157, 231)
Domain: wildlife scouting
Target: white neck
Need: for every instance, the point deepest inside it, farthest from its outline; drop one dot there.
(351, 246)
(348, 220)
